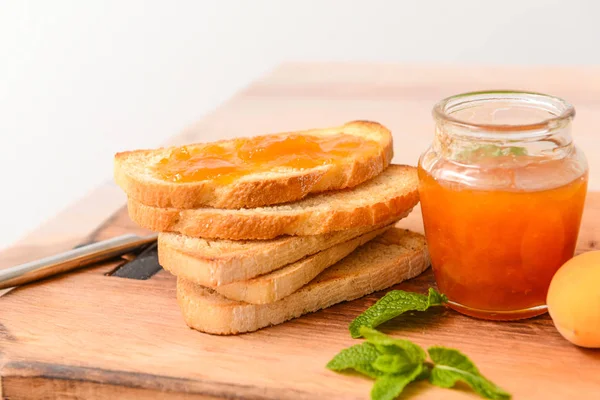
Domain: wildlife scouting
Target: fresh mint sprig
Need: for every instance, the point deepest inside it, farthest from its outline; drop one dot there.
(395, 363)
(393, 304)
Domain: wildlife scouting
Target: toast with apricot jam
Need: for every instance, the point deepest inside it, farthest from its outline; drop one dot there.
(255, 172)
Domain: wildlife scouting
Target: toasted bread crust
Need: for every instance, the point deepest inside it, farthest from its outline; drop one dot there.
(395, 256)
(220, 262)
(335, 211)
(273, 285)
(278, 284)
(248, 193)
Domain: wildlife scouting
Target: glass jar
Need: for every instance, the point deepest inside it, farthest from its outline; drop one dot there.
(502, 190)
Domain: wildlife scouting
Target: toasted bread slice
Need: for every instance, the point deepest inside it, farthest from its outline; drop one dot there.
(133, 171)
(384, 198)
(395, 256)
(220, 262)
(276, 285)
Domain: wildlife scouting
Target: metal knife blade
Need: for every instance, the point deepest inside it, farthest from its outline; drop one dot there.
(144, 266)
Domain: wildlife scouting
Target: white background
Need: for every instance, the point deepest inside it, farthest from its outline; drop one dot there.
(80, 80)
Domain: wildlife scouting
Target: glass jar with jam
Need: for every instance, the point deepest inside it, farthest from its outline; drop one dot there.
(502, 191)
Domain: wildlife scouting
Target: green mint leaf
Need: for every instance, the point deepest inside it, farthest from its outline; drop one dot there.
(405, 350)
(393, 364)
(388, 387)
(425, 372)
(359, 358)
(392, 305)
(452, 366)
(435, 298)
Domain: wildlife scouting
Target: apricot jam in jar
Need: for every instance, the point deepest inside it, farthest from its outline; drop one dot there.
(502, 190)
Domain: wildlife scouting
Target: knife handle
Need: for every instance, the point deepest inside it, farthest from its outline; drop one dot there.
(72, 259)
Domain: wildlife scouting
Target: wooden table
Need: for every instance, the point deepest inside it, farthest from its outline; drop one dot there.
(85, 334)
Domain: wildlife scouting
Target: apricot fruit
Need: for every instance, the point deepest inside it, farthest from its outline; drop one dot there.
(574, 300)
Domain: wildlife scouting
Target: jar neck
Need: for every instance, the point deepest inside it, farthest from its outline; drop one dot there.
(473, 127)
(451, 144)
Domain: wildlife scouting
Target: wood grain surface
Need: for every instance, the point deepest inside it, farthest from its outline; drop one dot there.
(86, 334)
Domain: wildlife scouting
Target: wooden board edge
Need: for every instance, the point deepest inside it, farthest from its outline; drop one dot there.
(38, 379)
(40, 387)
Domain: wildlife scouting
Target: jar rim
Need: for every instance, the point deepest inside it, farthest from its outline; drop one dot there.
(564, 112)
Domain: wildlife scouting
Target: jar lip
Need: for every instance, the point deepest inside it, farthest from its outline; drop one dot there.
(566, 111)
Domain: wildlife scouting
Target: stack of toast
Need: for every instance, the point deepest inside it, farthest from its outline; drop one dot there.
(273, 242)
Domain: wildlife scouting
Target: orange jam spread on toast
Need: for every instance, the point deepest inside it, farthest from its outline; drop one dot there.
(227, 161)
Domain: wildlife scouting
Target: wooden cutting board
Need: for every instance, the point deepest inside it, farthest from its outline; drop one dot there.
(87, 334)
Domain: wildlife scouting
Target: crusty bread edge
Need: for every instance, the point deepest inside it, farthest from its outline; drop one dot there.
(226, 224)
(270, 288)
(215, 271)
(256, 227)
